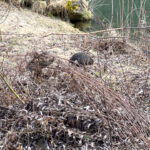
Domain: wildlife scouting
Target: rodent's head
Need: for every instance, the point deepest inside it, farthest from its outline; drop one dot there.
(91, 61)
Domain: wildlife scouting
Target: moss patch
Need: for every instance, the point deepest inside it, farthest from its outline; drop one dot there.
(72, 5)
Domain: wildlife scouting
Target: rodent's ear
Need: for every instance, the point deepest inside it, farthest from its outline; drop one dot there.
(91, 61)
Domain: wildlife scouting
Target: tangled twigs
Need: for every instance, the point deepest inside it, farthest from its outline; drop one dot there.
(112, 98)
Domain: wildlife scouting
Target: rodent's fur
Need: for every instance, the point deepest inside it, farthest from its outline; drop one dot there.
(82, 59)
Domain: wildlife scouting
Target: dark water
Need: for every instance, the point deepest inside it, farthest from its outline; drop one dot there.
(126, 13)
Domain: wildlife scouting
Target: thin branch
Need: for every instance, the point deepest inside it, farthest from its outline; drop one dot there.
(11, 89)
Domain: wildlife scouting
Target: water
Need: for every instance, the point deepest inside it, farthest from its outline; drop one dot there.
(126, 13)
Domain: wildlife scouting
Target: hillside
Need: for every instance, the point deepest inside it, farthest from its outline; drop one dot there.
(21, 26)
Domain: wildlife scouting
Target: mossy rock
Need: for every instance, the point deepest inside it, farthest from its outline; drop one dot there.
(78, 10)
(56, 8)
(74, 10)
(80, 16)
(39, 7)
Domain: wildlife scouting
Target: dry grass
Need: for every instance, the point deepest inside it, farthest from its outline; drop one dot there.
(73, 106)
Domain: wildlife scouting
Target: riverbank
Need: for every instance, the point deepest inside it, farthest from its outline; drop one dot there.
(20, 28)
(26, 22)
(69, 107)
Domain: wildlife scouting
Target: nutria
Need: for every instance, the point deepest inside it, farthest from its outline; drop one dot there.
(82, 59)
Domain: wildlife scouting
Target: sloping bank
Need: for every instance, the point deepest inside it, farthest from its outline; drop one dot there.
(73, 10)
(22, 31)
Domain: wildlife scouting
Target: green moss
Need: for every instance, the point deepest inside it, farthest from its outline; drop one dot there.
(87, 14)
(51, 15)
(72, 5)
(76, 11)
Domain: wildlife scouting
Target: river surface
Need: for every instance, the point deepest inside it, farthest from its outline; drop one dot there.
(125, 13)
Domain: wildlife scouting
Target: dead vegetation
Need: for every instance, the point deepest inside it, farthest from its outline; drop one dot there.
(67, 107)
